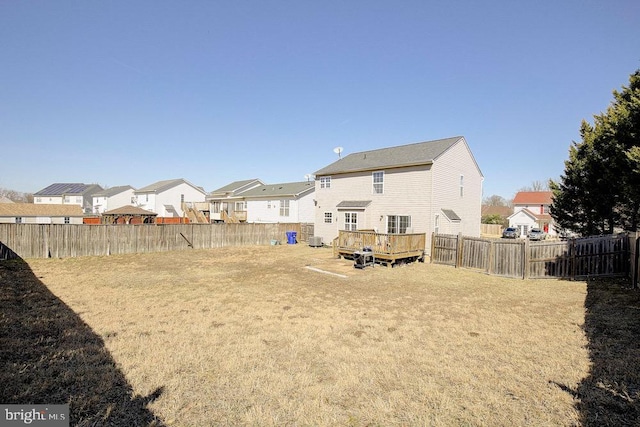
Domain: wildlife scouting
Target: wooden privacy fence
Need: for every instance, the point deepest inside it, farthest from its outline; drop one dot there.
(574, 258)
(70, 240)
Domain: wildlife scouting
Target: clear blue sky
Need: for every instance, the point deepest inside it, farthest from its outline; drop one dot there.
(132, 92)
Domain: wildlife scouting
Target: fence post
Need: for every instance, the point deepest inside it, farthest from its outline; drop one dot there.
(526, 258)
(433, 247)
(459, 254)
(492, 255)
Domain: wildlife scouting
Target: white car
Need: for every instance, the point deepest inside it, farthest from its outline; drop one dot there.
(536, 234)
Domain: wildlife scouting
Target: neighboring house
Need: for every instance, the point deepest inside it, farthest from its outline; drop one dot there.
(113, 198)
(426, 187)
(531, 210)
(31, 213)
(4, 199)
(286, 202)
(226, 203)
(68, 194)
(166, 198)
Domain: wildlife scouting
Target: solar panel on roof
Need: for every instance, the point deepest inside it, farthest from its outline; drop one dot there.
(62, 188)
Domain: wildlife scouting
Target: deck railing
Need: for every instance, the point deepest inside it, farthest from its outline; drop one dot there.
(384, 245)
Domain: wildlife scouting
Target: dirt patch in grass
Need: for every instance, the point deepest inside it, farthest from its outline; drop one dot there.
(251, 336)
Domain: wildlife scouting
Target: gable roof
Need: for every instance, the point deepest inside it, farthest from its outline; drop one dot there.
(421, 153)
(160, 186)
(4, 199)
(277, 190)
(32, 209)
(533, 198)
(129, 210)
(63, 188)
(541, 217)
(235, 186)
(113, 191)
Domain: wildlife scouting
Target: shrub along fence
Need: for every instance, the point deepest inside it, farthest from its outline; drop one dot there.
(574, 258)
(70, 240)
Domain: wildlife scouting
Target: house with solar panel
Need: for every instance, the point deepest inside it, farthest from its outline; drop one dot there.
(421, 188)
(68, 194)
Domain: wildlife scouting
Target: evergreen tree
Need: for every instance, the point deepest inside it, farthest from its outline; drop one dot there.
(599, 191)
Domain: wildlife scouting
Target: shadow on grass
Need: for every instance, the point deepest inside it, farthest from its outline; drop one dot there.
(48, 355)
(610, 395)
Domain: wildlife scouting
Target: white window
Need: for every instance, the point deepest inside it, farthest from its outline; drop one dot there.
(328, 217)
(284, 207)
(78, 199)
(350, 221)
(67, 220)
(182, 198)
(268, 204)
(39, 199)
(461, 185)
(398, 223)
(378, 182)
(67, 199)
(215, 207)
(146, 197)
(325, 182)
(18, 220)
(241, 206)
(436, 227)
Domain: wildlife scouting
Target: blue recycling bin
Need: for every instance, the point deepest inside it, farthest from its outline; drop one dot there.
(291, 237)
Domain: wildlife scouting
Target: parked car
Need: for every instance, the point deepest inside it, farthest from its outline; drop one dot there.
(536, 234)
(511, 233)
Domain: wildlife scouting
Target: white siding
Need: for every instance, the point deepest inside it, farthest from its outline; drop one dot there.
(170, 197)
(447, 170)
(49, 200)
(40, 220)
(406, 192)
(121, 199)
(268, 210)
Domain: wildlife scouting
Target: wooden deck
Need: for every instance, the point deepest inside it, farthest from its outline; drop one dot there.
(388, 249)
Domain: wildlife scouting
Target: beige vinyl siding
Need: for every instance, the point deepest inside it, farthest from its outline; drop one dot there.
(446, 190)
(406, 192)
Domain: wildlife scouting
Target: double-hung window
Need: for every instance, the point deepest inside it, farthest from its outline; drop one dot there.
(378, 182)
(461, 185)
(328, 217)
(284, 207)
(325, 182)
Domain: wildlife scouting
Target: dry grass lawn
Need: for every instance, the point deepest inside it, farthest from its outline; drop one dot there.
(250, 336)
